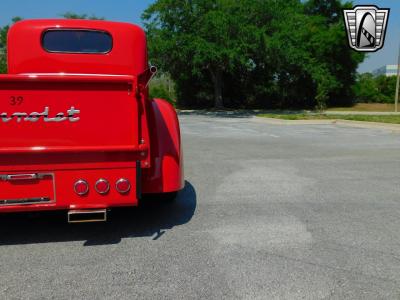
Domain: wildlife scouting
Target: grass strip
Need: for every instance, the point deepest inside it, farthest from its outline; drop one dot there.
(392, 119)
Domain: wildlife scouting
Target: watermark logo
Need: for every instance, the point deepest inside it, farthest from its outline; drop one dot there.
(366, 27)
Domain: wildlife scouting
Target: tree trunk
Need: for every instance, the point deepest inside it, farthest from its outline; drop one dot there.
(217, 81)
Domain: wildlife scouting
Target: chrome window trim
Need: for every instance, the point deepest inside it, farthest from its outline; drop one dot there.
(76, 52)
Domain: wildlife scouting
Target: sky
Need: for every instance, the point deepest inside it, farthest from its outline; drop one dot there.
(131, 10)
(115, 10)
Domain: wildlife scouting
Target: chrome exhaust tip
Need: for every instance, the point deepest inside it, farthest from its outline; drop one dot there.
(86, 216)
(153, 70)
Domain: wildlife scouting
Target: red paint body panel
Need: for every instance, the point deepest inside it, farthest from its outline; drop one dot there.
(128, 55)
(104, 107)
(66, 198)
(83, 116)
(166, 175)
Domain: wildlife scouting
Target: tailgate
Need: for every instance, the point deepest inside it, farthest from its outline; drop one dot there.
(67, 113)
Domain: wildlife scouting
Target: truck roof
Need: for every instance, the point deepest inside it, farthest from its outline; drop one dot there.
(127, 53)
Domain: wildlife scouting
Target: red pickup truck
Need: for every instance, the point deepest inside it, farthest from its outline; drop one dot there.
(78, 130)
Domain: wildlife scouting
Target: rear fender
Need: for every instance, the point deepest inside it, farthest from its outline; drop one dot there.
(166, 171)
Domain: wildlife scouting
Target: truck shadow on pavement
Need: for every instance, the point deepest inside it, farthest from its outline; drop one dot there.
(151, 219)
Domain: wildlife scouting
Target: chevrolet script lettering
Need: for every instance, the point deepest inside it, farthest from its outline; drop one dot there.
(71, 116)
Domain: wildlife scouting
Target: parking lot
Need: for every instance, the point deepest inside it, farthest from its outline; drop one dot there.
(268, 211)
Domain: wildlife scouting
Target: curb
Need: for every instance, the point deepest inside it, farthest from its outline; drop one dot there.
(367, 113)
(358, 124)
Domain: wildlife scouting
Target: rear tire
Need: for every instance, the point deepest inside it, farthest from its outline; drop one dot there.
(162, 198)
(169, 197)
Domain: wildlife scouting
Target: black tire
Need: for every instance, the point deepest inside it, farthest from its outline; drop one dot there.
(169, 197)
(162, 198)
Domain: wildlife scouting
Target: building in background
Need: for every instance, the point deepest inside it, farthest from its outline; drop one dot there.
(388, 70)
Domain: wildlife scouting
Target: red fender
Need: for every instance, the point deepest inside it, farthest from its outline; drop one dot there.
(166, 172)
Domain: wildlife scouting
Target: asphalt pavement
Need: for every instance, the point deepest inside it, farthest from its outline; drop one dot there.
(269, 211)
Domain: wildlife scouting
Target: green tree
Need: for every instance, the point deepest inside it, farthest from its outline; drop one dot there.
(3, 45)
(161, 86)
(333, 49)
(387, 88)
(380, 89)
(366, 89)
(316, 56)
(204, 37)
(72, 15)
(330, 9)
(263, 53)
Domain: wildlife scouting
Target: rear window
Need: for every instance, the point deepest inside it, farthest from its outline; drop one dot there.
(77, 41)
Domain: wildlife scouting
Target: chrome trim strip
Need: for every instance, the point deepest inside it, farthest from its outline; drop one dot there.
(20, 177)
(84, 216)
(25, 201)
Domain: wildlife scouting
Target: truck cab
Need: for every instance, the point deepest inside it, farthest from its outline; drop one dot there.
(79, 132)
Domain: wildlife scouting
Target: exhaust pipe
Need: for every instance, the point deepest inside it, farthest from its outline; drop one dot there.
(86, 216)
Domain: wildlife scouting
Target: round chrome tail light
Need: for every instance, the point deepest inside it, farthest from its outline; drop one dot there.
(123, 186)
(81, 187)
(102, 186)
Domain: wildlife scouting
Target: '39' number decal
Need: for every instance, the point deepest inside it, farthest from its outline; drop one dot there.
(16, 100)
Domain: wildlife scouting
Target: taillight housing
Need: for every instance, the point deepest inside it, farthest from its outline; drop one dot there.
(102, 186)
(81, 187)
(123, 186)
